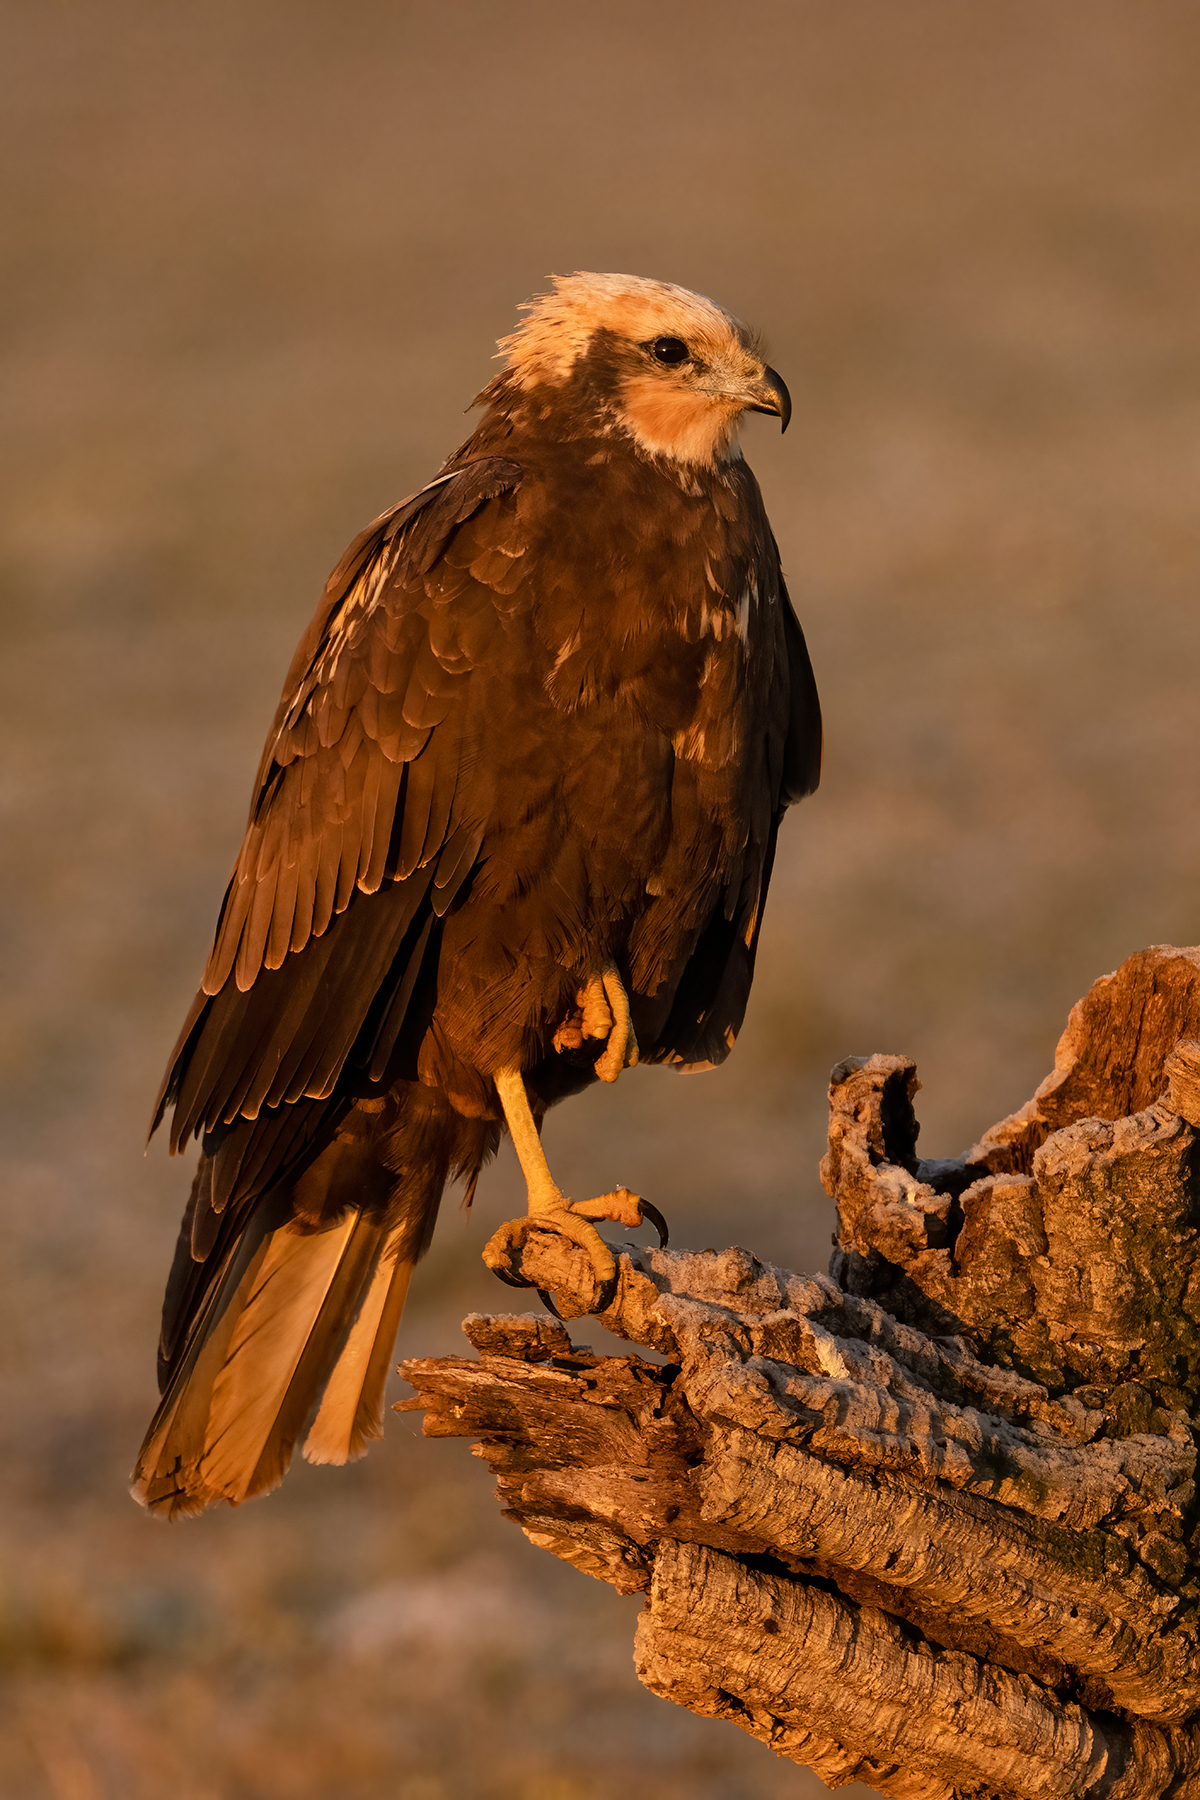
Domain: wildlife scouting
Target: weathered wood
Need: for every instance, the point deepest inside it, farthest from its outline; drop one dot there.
(932, 1524)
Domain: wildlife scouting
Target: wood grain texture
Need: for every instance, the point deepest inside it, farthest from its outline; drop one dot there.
(931, 1525)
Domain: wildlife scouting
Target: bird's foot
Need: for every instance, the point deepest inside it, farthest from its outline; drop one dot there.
(572, 1219)
(596, 1017)
(601, 1011)
(621, 1050)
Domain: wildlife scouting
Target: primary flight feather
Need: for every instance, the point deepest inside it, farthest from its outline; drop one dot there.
(512, 831)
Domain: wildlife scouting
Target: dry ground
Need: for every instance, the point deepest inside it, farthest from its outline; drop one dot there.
(255, 258)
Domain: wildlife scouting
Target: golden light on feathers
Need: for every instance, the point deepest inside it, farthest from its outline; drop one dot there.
(512, 832)
(561, 324)
(686, 412)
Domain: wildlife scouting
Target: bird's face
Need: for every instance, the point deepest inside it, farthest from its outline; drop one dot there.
(667, 366)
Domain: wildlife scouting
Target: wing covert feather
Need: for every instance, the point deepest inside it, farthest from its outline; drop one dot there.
(350, 796)
(369, 684)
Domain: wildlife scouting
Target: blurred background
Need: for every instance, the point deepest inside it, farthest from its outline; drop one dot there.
(256, 257)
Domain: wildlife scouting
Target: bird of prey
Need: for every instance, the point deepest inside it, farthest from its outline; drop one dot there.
(512, 831)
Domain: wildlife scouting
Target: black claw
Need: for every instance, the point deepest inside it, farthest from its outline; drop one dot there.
(656, 1219)
(606, 1295)
(511, 1280)
(547, 1301)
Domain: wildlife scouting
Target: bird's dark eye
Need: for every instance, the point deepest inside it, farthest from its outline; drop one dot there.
(670, 350)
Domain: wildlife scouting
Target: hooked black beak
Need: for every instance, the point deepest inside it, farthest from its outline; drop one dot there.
(771, 396)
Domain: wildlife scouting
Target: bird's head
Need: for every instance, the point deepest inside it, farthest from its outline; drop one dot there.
(669, 367)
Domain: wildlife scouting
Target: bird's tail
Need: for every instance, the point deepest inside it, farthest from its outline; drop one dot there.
(298, 1313)
(282, 1308)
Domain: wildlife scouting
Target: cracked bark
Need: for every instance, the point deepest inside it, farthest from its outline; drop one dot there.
(929, 1521)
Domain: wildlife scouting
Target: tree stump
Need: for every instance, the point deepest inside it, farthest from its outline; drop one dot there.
(929, 1521)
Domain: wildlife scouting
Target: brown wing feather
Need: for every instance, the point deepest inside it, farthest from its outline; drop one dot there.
(323, 937)
(771, 686)
(364, 690)
(283, 1001)
(802, 751)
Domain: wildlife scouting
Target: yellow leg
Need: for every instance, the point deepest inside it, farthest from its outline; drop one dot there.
(549, 1207)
